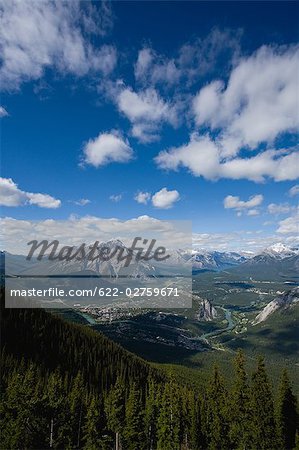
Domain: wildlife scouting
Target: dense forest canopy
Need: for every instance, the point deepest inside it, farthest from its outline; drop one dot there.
(66, 386)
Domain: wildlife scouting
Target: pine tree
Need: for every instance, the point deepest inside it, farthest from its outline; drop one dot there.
(264, 430)
(169, 419)
(77, 409)
(95, 435)
(240, 407)
(151, 415)
(134, 435)
(23, 411)
(115, 410)
(60, 430)
(287, 418)
(196, 433)
(216, 414)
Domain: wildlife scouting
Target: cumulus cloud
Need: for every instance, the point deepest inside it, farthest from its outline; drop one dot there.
(165, 199)
(249, 206)
(202, 156)
(256, 106)
(11, 195)
(294, 191)
(234, 202)
(3, 112)
(146, 111)
(36, 35)
(82, 202)
(258, 103)
(142, 197)
(115, 198)
(107, 148)
(75, 231)
(282, 208)
(289, 225)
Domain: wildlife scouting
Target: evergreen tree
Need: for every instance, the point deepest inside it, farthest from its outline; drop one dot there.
(216, 414)
(287, 418)
(134, 434)
(95, 435)
(77, 409)
(60, 430)
(23, 412)
(263, 425)
(240, 407)
(196, 433)
(169, 419)
(151, 415)
(115, 410)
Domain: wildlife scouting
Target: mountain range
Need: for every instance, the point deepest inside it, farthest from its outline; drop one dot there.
(278, 259)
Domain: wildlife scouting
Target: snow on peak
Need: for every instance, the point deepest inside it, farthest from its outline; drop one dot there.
(280, 250)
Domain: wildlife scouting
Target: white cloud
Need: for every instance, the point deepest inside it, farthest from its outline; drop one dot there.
(146, 111)
(146, 105)
(82, 202)
(259, 102)
(277, 164)
(203, 157)
(152, 68)
(36, 35)
(200, 156)
(239, 241)
(234, 202)
(193, 60)
(253, 212)
(142, 197)
(294, 190)
(105, 149)
(3, 112)
(11, 195)
(275, 208)
(115, 197)
(75, 231)
(165, 199)
(257, 105)
(289, 225)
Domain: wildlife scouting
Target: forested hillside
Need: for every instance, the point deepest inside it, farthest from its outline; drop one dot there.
(65, 386)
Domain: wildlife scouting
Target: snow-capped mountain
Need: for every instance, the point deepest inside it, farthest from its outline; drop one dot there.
(280, 251)
(275, 262)
(277, 256)
(282, 301)
(204, 260)
(111, 258)
(274, 253)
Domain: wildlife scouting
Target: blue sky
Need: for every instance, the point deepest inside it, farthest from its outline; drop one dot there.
(174, 110)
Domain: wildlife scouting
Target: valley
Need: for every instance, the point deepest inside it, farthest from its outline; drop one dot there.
(238, 301)
(221, 320)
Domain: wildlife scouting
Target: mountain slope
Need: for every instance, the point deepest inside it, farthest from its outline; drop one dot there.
(52, 343)
(283, 301)
(215, 261)
(273, 263)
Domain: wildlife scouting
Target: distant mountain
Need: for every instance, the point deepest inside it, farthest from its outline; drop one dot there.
(282, 301)
(273, 263)
(215, 261)
(275, 252)
(113, 266)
